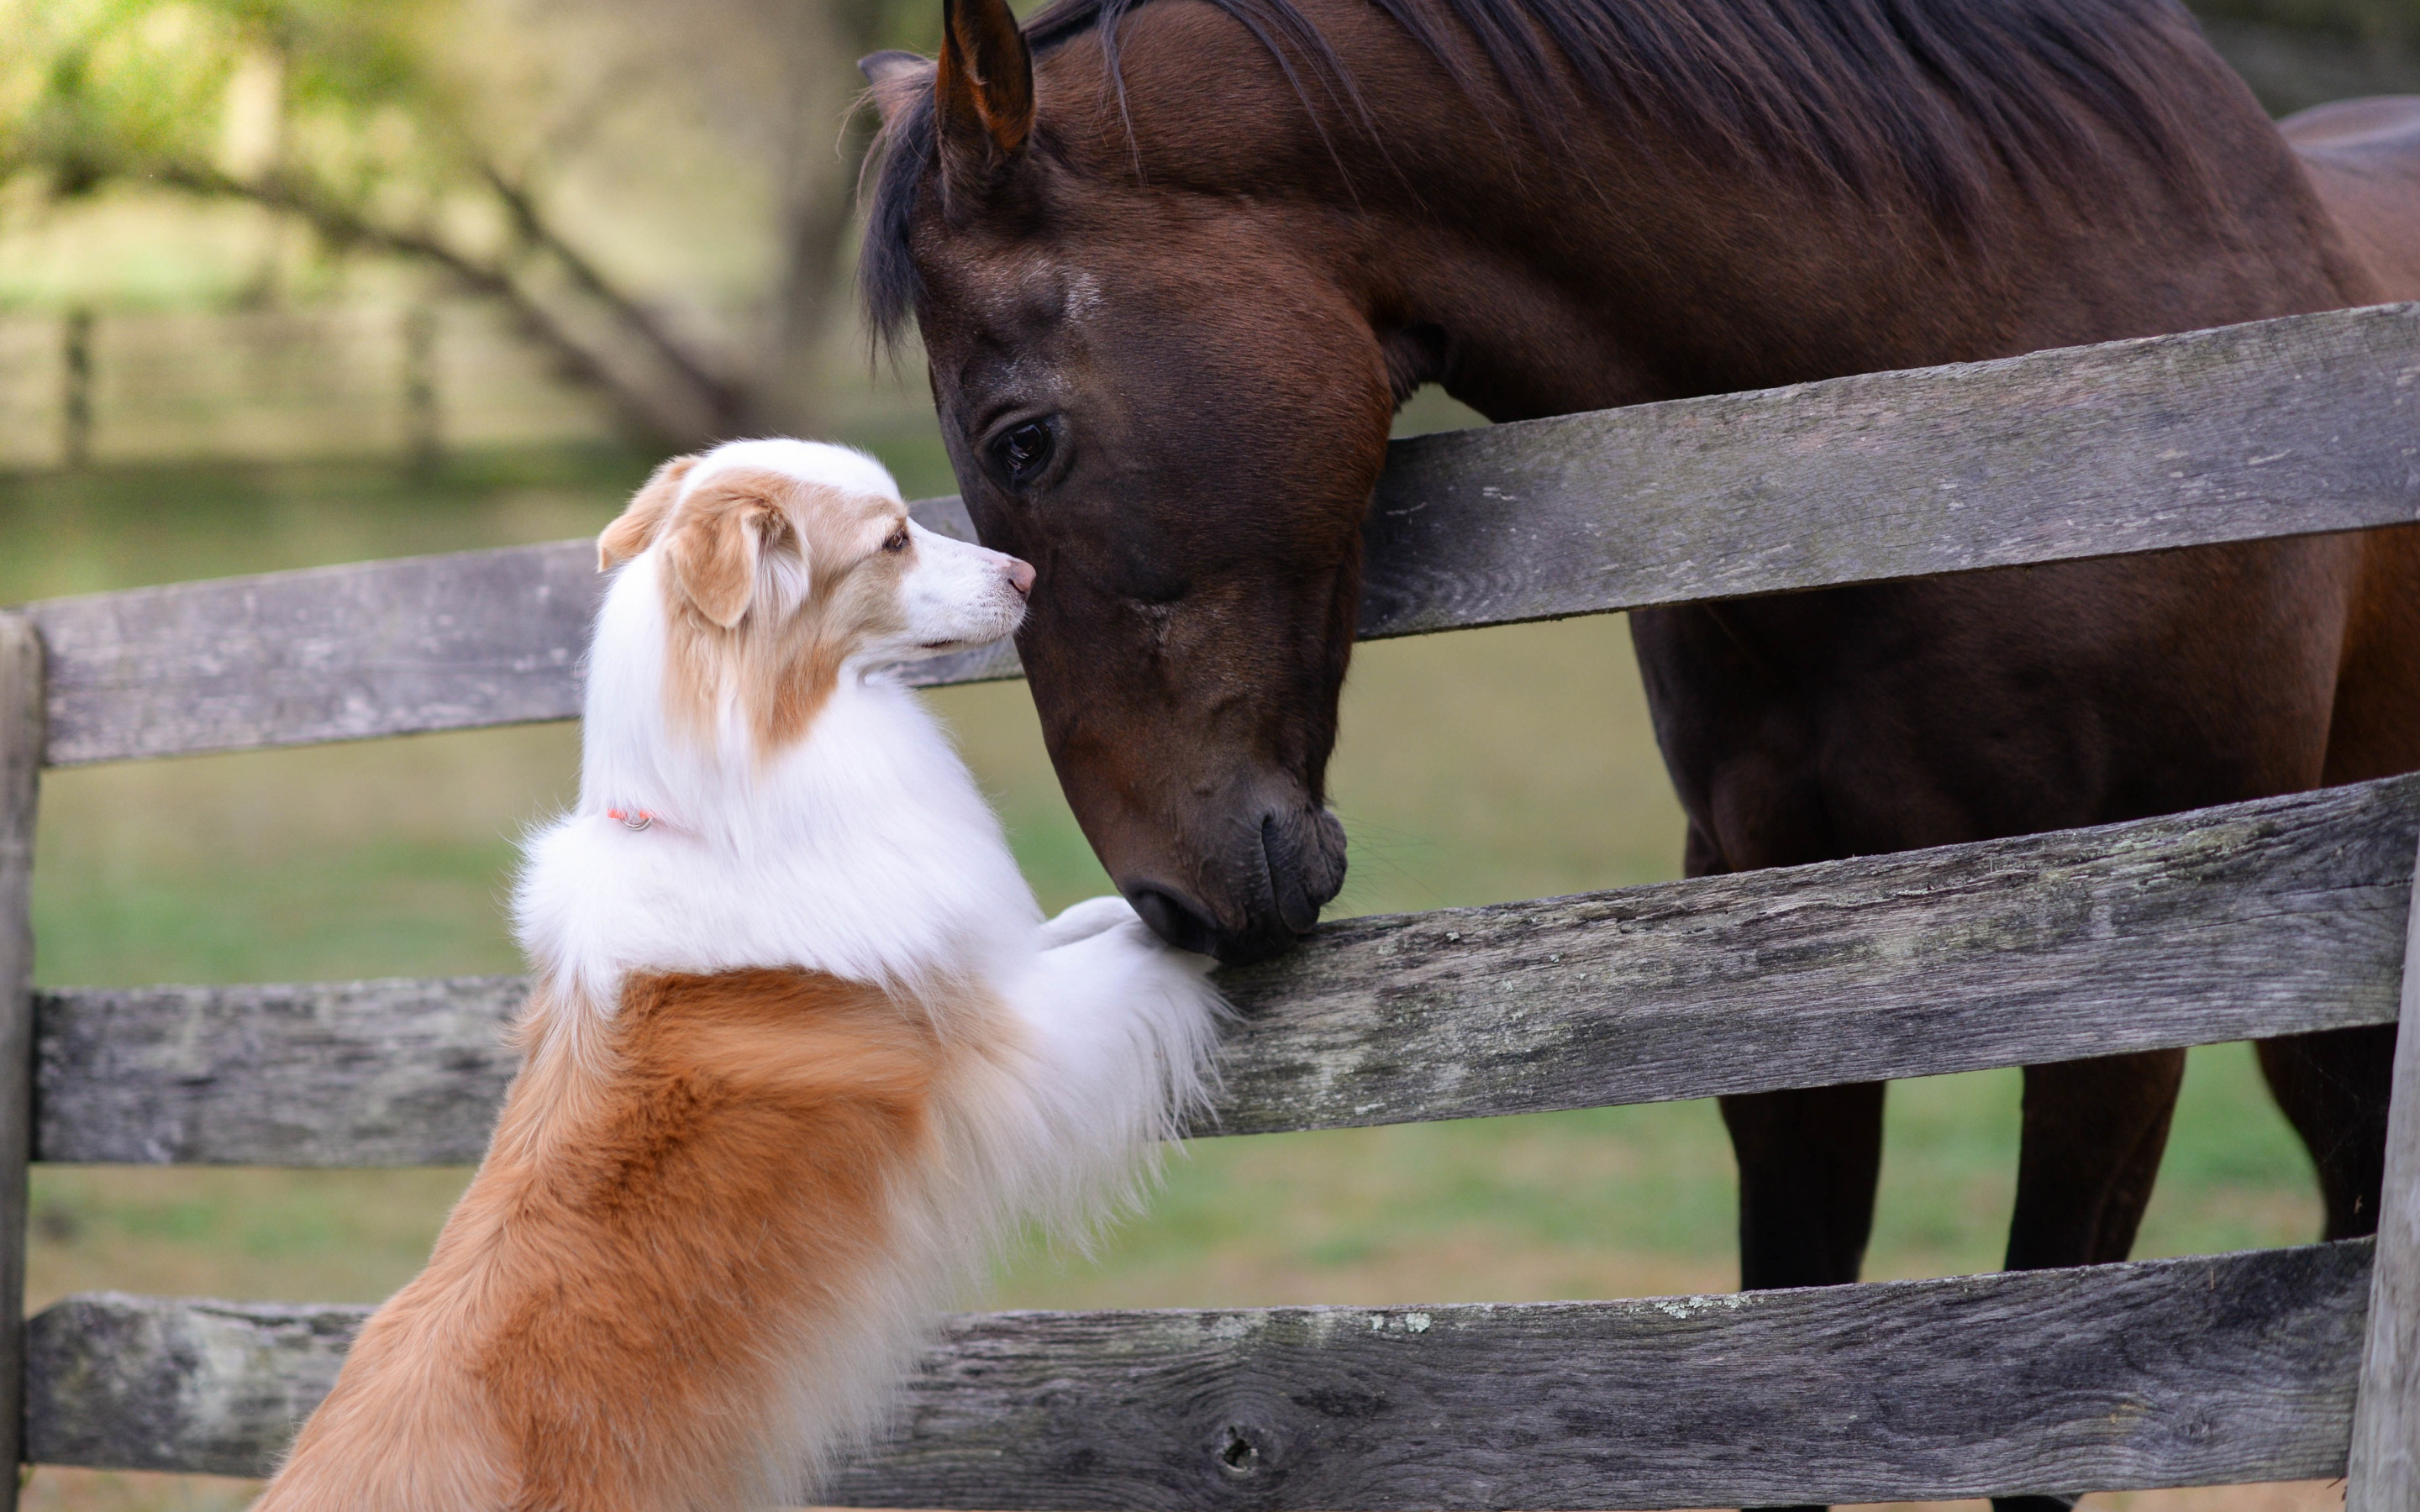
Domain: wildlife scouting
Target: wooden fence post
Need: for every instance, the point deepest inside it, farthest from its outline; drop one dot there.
(424, 436)
(75, 389)
(20, 765)
(2384, 1473)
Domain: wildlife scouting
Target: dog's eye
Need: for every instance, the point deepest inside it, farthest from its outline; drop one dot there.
(1020, 452)
(898, 541)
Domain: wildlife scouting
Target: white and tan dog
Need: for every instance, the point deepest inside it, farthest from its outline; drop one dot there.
(801, 1047)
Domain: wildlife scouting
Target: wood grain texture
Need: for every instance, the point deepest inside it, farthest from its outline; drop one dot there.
(336, 1074)
(21, 767)
(2256, 919)
(177, 1384)
(2286, 427)
(2274, 428)
(370, 648)
(2162, 1373)
(2225, 924)
(2385, 1459)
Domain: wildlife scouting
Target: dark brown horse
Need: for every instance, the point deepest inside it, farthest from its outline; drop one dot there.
(1176, 263)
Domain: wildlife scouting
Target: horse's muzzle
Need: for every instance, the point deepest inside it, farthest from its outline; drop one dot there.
(1275, 891)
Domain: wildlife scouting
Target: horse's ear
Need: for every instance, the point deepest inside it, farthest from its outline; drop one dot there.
(898, 80)
(635, 527)
(983, 91)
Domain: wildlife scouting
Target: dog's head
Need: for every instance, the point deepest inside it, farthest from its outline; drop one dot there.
(781, 564)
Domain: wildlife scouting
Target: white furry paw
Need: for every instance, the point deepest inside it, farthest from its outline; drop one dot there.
(1081, 921)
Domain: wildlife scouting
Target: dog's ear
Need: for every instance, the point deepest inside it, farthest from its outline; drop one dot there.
(636, 525)
(717, 543)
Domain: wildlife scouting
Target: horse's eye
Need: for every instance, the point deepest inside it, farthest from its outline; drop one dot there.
(1020, 452)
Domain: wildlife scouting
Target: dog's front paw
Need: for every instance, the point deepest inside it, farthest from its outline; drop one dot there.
(1081, 921)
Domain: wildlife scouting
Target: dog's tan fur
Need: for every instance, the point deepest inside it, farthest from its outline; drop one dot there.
(714, 540)
(562, 1317)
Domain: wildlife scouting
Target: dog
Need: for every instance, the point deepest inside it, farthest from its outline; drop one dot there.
(800, 1048)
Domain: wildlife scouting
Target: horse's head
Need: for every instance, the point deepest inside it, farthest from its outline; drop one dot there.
(1165, 401)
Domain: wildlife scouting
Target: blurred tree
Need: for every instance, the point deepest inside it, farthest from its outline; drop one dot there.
(504, 142)
(778, 79)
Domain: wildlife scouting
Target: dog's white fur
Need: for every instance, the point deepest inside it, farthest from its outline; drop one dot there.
(1070, 1048)
(865, 851)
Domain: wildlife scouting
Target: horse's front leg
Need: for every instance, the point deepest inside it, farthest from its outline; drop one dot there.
(1808, 1161)
(2094, 1130)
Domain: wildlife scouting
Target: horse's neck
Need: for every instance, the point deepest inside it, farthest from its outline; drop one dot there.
(1608, 267)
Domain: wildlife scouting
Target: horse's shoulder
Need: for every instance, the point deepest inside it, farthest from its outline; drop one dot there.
(2364, 159)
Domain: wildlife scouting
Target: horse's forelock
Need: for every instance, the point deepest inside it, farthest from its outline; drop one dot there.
(887, 279)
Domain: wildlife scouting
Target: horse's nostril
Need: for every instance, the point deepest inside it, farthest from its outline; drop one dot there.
(1173, 922)
(1305, 855)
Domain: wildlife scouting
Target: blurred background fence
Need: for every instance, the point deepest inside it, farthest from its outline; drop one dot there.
(81, 387)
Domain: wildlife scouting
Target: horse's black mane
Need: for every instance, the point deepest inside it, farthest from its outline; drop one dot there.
(1854, 91)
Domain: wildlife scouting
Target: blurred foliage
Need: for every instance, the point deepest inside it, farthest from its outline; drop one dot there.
(545, 152)
(101, 89)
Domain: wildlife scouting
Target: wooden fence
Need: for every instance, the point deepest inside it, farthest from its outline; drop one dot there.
(282, 385)
(2250, 920)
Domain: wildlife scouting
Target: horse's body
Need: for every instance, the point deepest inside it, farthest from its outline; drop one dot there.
(1171, 306)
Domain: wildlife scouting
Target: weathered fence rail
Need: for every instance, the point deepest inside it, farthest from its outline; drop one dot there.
(2280, 428)
(2235, 923)
(2161, 1373)
(2260, 918)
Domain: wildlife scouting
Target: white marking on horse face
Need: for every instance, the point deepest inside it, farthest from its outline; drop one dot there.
(1083, 297)
(1033, 278)
(1015, 284)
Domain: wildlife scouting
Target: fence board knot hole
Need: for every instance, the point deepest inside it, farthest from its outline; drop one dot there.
(1239, 1457)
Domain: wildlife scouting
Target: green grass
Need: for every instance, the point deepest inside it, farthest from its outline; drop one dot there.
(1487, 766)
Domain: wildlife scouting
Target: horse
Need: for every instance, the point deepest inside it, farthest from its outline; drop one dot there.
(1175, 264)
